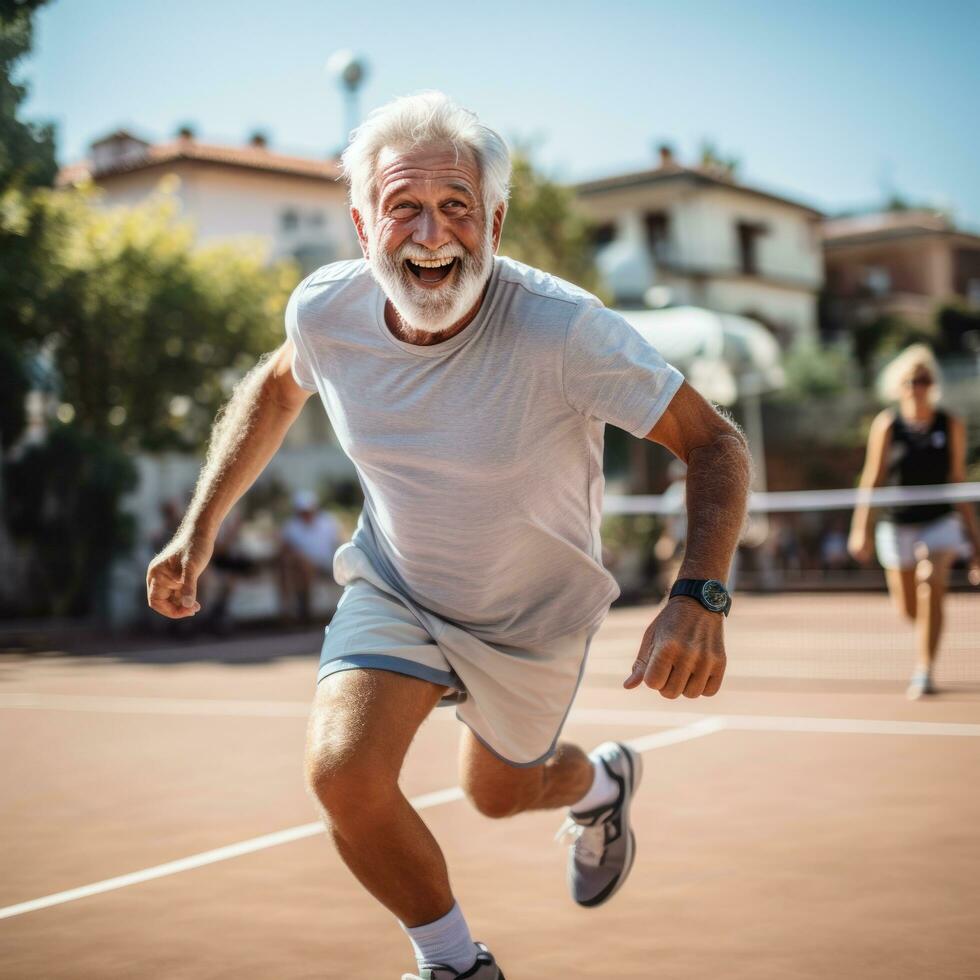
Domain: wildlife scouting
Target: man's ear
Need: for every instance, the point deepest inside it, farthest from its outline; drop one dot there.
(498, 224)
(355, 216)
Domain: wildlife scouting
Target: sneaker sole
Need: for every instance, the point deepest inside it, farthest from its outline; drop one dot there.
(635, 764)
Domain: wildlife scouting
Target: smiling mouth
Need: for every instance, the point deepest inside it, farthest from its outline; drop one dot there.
(431, 270)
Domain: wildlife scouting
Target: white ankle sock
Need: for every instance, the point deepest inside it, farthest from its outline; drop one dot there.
(445, 942)
(604, 789)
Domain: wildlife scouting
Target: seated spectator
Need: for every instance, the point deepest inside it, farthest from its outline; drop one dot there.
(833, 547)
(229, 565)
(309, 539)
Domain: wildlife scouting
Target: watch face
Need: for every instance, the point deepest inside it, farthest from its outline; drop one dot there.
(714, 595)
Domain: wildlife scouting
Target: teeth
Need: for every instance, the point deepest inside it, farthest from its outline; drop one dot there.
(433, 263)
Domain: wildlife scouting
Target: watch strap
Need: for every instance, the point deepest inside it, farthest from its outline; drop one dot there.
(694, 589)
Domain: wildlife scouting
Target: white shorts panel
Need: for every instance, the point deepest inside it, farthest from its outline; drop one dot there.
(514, 699)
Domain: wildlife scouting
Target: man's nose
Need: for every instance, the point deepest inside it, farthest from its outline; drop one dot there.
(430, 230)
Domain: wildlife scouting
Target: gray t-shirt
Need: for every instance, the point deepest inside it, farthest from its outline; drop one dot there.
(481, 457)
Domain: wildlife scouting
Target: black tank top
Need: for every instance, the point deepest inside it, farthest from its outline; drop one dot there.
(919, 458)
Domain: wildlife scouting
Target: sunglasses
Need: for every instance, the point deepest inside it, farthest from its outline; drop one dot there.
(919, 381)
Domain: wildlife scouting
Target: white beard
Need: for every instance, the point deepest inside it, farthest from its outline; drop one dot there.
(432, 310)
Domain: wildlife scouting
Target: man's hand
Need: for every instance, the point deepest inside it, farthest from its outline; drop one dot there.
(171, 579)
(683, 651)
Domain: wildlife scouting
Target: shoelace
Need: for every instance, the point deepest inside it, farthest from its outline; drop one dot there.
(589, 842)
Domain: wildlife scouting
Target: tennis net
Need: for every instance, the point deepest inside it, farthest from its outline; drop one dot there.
(804, 609)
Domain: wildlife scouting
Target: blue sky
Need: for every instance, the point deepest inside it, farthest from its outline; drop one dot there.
(834, 103)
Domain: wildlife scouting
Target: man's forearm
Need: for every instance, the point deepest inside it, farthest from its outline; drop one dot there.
(246, 434)
(718, 479)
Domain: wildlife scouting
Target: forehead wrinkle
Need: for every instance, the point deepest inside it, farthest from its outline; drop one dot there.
(397, 168)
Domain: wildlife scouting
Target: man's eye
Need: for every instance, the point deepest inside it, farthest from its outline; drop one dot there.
(454, 204)
(403, 207)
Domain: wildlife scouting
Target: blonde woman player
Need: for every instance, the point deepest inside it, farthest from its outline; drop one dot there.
(916, 443)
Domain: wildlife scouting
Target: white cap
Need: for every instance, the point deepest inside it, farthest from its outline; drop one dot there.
(305, 500)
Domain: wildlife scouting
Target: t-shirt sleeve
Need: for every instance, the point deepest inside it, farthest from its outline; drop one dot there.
(612, 373)
(302, 367)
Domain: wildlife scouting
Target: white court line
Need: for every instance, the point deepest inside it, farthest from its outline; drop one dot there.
(706, 726)
(849, 726)
(423, 802)
(426, 801)
(777, 723)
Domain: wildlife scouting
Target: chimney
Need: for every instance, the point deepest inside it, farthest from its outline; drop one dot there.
(667, 158)
(259, 140)
(185, 132)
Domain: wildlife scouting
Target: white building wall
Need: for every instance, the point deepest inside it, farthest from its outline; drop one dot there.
(793, 310)
(698, 236)
(703, 248)
(789, 248)
(226, 204)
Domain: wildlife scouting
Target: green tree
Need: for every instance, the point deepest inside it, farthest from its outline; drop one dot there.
(147, 333)
(958, 327)
(545, 229)
(814, 371)
(27, 160)
(26, 149)
(62, 497)
(714, 160)
(877, 340)
(14, 385)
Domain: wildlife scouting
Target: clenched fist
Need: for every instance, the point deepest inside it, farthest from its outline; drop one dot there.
(683, 652)
(171, 579)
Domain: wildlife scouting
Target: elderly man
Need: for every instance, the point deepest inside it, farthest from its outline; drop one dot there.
(471, 393)
(309, 541)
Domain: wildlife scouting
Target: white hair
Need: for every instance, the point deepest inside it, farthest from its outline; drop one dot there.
(896, 371)
(421, 120)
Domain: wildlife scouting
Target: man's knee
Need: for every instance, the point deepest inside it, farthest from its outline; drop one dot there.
(349, 782)
(497, 798)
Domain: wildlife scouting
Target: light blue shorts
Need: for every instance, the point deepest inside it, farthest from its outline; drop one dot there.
(514, 699)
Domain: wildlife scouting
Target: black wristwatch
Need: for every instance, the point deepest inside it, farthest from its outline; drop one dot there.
(708, 591)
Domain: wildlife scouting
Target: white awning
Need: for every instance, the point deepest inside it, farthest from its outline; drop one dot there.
(722, 355)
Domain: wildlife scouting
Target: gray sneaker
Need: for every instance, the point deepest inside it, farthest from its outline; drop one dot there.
(485, 968)
(602, 852)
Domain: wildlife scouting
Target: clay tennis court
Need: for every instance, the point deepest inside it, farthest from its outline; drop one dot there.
(806, 822)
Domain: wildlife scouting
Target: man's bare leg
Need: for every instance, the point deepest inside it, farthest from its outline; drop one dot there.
(598, 790)
(362, 724)
(497, 789)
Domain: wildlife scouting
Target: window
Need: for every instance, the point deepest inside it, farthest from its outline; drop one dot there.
(748, 235)
(657, 225)
(289, 220)
(878, 280)
(603, 234)
(316, 219)
(312, 256)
